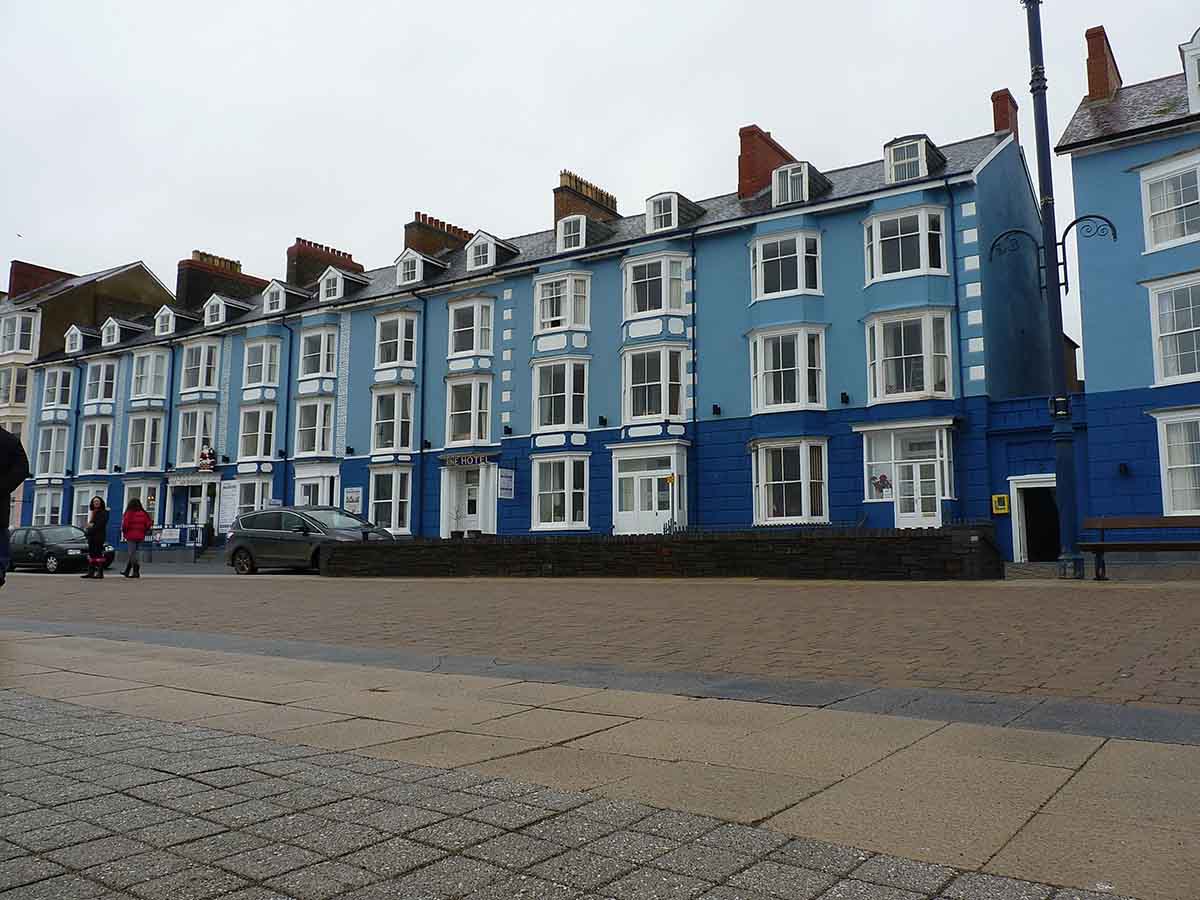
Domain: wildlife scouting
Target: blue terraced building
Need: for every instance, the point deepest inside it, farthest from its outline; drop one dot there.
(822, 344)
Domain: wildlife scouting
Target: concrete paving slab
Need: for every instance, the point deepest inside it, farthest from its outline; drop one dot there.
(1119, 759)
(349, 734)
(168, 704)
(663, 740)
(65, 685)
(728, 714)
(412, 707)
(564, 768)
(548, 726)
(1114, 720)
(265, 721)
(1043, 748)
(1159, 801)
(534, 693)
(450, 749)
(633, 704)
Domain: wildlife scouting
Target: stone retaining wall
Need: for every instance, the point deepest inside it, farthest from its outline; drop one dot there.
(954, 552)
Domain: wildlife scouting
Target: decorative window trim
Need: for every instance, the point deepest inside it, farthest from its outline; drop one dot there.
(572, 463)
(664, 382)
(201, 413)
(110, 333)
(57, 402)
(151, 357)
(401, 397)
(873, 247)
(875, 382)
(264, 436)
(408, 270)
(758, 386)
(760, 451)
(274, 299)
(322, 429)
(1168, 168)
(666, 260)
(14, 386)
(12, 332)
(1164, 418)
(214, 312)
(1154, 288)
(653, 213)
(802, 286)
(210, 364)
(54, 452)
(106, 384)
(399, 507)
(922, 160)
(570, 422)
(480, 252)
(73, 339)
(480, 413)
(150, 459)
(571, 320)
(90, 452)
(164, 322)
(406, 347)
(332, 286)
(141, 490)
(270, 361)
(561, 236)
(943, 430)
(326, 357)
(481, 331)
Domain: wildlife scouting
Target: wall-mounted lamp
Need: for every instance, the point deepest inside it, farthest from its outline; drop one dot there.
(508, 429)
(425, 445)
(281, 454)
(1123, 469)
(224, 458)
(169, 467)
(716, 409)
(602, 421)
(116, 468)
(845, 398)
(349, 451)
(69, 472)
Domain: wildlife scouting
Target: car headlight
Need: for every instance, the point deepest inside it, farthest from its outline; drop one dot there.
(108, 548)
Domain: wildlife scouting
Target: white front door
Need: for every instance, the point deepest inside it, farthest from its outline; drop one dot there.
(646, 495)
(917, 503)
(466, 500)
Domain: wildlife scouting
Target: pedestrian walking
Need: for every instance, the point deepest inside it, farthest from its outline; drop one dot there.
(97, 528)
(135, 525)
(14, 469)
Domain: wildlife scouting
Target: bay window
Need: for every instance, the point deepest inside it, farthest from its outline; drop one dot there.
(390, 490)
(653, 384)
(560, 492)
(653, 286)
(262, 364)
(149, 375)
(395, 341)
(898, 245)
(790, 482)
(908, 356)
(786, 264)
(97, 440)
(912, 466)
(47, 506)
(200, 367)
(145, 443)
(470, 327)
(468, 417)
(562, 302)
(560, 394)
(318, 354)
(253, 494)
(16, 333)
(14, 385)
(391, 427)
(56, 390)
(195, 433)
(146, 494)
(257, 435)
(101, 381)
(52, 451)
(314, 427)
(787, 369)
(1175, 324)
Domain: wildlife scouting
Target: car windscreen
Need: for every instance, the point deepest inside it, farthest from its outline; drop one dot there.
(62, 534)
(335, 518)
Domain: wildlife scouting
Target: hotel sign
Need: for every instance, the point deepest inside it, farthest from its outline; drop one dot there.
(468, 459)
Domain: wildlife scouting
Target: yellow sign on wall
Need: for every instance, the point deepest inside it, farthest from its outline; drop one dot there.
(999, 504)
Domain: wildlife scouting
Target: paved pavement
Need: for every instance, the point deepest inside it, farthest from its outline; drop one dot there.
(1114, 642)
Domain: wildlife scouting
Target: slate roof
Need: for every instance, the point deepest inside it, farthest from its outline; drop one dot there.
(1134, 108)
(54, 288)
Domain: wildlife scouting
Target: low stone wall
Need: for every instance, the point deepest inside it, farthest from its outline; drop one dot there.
(851, 553)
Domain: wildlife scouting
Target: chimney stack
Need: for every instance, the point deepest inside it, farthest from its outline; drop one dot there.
(24, 277)
(1004, 112)
(577, 196)
(430, 236)
(760, 156)
(1104, 78)
(204, 274)
(306, 260)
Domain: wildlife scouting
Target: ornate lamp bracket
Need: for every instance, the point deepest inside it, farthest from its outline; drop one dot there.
(1088, 226)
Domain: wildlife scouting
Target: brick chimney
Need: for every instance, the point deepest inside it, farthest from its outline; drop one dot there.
(204, 274)
(24, 277)
(306, 260)
(576, 196)
(431, 236)
(760, 156)
(1103, 75)
(1004, 112)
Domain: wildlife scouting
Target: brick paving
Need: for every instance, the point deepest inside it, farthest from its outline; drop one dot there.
(1118, 643)
(95, 804)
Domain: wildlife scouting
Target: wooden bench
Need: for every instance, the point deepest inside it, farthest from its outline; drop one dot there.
(1120, 523)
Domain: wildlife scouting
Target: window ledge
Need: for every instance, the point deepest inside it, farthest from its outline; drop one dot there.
(466, 354)
(803, 292)
(310, 377)
(655, 314)
(788, 407)
(899, 276)
(794, 520)
(908, 398)
(565, 329)
(558, 527)
(1176, 379)
(1171, 245)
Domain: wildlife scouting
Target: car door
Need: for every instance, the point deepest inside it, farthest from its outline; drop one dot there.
(297, 537)
(263, 537)
(18, 546)
(35, 547)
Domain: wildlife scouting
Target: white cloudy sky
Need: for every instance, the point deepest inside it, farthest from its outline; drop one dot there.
(142, 130)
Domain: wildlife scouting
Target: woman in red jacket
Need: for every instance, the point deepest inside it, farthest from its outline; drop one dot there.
(135, 525)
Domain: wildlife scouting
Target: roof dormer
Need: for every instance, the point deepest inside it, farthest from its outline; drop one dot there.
(275, 296)
(73, 339)
(910, 157)
(110, 333)
(334, 283)
(218, 308)
(670, 210)
(413, 268)
(1190, 54)
(485, 251)
(164, 321)
(797, 182)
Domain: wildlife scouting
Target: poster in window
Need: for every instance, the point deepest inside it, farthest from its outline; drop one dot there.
(507, 483)
(352, 500)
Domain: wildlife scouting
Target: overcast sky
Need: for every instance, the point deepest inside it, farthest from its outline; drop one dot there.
(144, 130)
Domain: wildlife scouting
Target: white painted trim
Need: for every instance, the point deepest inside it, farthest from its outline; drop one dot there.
(1163, 418)
(756, 263)
(538, 363)
(757, 453)
(1177, 164)
(560, 237)
(996, 151)
(568, 275)
(568, 459)
(902, 424)
(1017, 511)
(757, 392)
(1153, 288)
(674, 198)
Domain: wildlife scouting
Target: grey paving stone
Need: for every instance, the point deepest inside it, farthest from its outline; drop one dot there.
(353, 809)
(193, 883)
(131, 870)
(1075, 894)
(455, 834)
(11, 805)
(92, 853)
(834, 858)
(656, 884)
(397, 856)
(56, 836)
(632, 846)
(879, 700)
(407, 772)
(143, 816)
(453, 803)
(360, 784)
(203, 801)
(322, 881)
(287, 827)
(509, 814)
(503, 789)
(340, 839)
(850, 889)
(227, 778)
(524, 887)
(975, 886)
(158, 791)
(94, 808)
(705, 862)
(64, 887)
(264, 788)
(743, 839)
(405, 792)
(11, 851)
(454, 876)
(31, 819)
(571, 829)
(458, 780)
(1137, 723)
(25, 870)
(255, 893)
(270, 861)
(176, 831)
(514, 851)
(581, 869)
(304, 799)
(907, 874)
(729, 892)
(560, 801)
(372, 766)
(248, 812)
(218, 846)
(783, 881)
(678, 826)
(400, 819)
(621, 813)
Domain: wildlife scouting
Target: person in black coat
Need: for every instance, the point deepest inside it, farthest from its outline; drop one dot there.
(97, 530)
(14, 469)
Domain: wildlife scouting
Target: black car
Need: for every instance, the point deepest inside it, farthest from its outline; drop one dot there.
(291, 536)
(52, 548)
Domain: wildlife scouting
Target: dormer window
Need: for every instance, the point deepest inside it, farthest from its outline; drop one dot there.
(74, 340)
(1190, 53)
(662, 213)
(110, 334)
(905, 161)
(481, 256)
(274, 300)
(164, 322)
(410, 270)
(214, 312)
(789, 185)
(571, 232)
(329, 288)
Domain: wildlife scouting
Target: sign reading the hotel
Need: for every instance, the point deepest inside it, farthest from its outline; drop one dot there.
(467, 459)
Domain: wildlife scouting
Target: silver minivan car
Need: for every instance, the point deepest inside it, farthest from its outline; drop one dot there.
(291, 536)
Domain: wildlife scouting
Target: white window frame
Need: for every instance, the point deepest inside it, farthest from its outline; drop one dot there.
(269, 364)
(208, 370)
(759, 456)
(1170, 168)
(1164, 419)
(322, 429)
(477, 261)
(922, 161)
(783, 187)
(570, 365)
(214, 312)
(331, 286)
(802, 239)
(873, 245)
(106, 383)
(110, 334)
(155, 362)
(406, 343)
(758, 371)
(480, 412)
(664, 382)
(417, 263)
(399, 519)
(326, 356)
(164, 323)
(151, 455)
(561, 236)
(876, 379)
(52, 446)
(95, 439)
(482, 336)
(14, 380)
(667, 262)
(74, 340)
(43, 507)
(653, 213)
(140, 490)
(260, 495)
(274, 299)
(572, 319)
(203, 415)
(55, 400)
(569, 462)
(13, 336)
(943, 431)
(404, 401)
(1154, 289)
(263, 433)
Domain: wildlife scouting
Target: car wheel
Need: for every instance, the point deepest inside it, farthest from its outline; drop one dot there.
(50, 563)
(243, 563)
